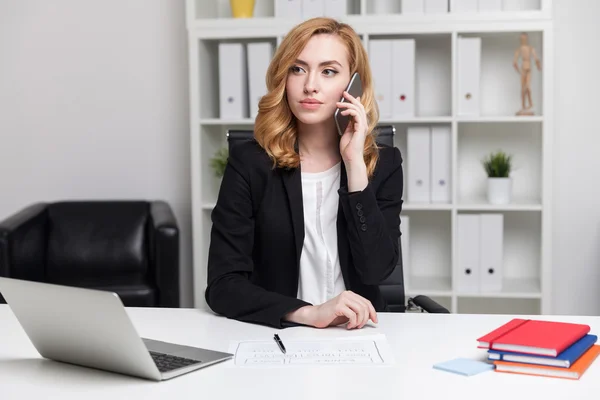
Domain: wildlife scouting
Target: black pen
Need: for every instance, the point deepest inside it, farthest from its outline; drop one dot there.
(279, 343)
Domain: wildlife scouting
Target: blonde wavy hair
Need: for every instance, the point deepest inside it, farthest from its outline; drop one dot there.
(275, 127)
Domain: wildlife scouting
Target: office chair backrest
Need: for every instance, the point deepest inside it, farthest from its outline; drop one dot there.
(385, 134)
(235, 136)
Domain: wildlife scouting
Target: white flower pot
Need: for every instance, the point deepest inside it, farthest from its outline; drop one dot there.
(499, 190)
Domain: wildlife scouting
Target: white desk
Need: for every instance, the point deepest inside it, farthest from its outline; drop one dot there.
(417, 340)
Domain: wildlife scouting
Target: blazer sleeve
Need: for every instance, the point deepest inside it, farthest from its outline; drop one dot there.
(373, 220)
(230, 291)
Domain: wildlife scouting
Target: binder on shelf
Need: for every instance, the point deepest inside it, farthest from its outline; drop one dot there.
(259, 57)
(491, 253)
(313, 8)
(418, 164)
(405, 246)
(288, 8)
(490, 5)
(520, 5)
(336, 8)
(468, 247)
(380, 58)
(441, 165)
(233, 98)
(436, 6)
(463, 6)
(469, 75)
(403, 78)
(385, 6)
(412, 7)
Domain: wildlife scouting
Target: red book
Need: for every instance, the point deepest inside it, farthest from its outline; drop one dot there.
(546, 338)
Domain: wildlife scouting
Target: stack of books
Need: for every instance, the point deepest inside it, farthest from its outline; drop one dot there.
(545, 348)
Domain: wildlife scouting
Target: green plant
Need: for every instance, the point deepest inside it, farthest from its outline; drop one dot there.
(219, 161)
(497, 165)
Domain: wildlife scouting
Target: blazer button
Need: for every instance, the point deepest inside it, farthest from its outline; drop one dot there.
(360, 213)
(358, 206)
(362, 219)
(363, 227)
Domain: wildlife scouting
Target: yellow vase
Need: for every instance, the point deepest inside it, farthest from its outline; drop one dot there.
(242, 8)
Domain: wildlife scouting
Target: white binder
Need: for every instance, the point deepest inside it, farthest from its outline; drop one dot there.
(405, 245)
(380, 58)
(520, 5)
(385, 6)
(468, 248)
(463, 5)
(490, 5)
(492, 251)
(469, 75)
(418, 164)
(403, 78)
(288, 8)
(436, 6)
(336, 8)
(259, 57)
(441, 150)
(233, 91)
(313, 8)
(413, 6)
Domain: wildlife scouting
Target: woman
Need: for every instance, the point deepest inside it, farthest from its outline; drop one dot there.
(306, 224)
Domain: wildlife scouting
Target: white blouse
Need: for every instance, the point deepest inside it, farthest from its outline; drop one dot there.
(320, 277)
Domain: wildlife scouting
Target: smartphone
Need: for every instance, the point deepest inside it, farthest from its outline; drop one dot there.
(355, 89)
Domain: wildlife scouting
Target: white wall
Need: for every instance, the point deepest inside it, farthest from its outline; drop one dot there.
(94, 105)
(576, 217)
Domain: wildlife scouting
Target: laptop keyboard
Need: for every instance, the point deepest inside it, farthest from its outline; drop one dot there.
(167, 362)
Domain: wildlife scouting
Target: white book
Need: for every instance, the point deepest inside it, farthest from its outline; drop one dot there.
(441, 151)
(259, 57)
(288, 8)
(313, 8)
(469, 76)
(490, 5)
(492, 251)
(436, 6)
(413, 6)
(418, 164)
(233, 90)
(380, 58)
(460, 6)
(403, 78)
(336, 8)
(468, 248)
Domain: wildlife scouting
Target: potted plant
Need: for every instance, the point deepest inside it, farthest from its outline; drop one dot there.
(498, 166)
(219, 161)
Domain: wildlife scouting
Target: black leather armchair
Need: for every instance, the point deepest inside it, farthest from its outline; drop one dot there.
(128, 247)
(392, 288)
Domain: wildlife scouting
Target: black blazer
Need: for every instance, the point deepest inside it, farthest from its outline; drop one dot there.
(258, 231)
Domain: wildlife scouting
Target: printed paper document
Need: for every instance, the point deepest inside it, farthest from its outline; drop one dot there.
(365, 350)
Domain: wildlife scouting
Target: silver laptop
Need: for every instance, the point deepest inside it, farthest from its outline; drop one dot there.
(91, 328)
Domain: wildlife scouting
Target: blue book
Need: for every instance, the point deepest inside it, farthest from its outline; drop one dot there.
(564, 359)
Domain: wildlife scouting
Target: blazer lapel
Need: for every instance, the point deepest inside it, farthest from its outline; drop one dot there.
(293, 186)
(342, 233)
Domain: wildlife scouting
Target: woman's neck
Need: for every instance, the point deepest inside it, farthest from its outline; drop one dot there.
(319, 147)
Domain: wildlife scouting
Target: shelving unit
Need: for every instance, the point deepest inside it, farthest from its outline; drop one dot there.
(433, 253)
